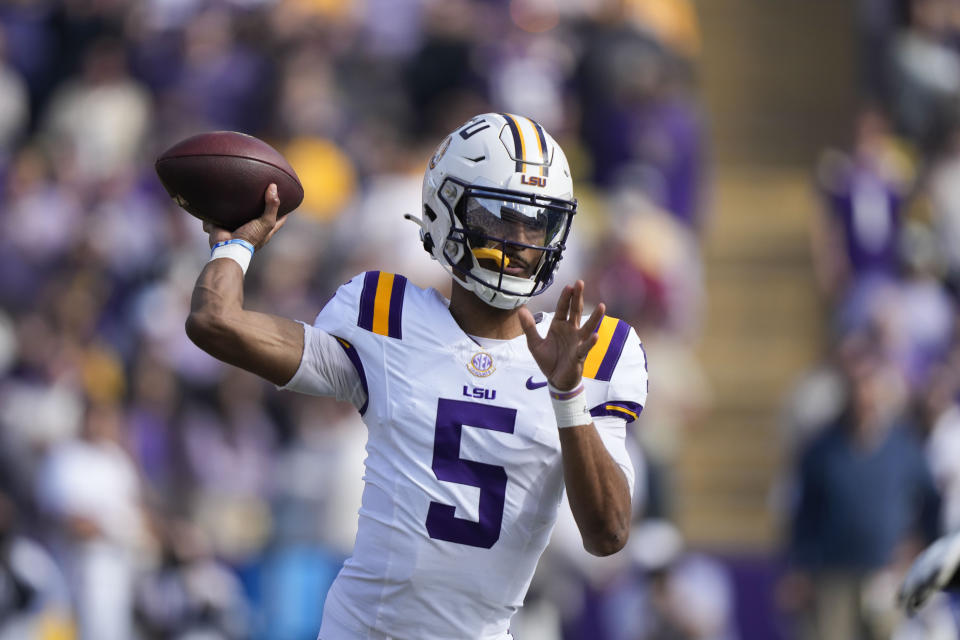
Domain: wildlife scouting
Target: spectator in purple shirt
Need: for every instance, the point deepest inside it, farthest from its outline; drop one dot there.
(856, 240)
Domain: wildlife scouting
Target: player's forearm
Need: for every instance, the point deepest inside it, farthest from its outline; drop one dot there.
(217, 297)
(597, 489)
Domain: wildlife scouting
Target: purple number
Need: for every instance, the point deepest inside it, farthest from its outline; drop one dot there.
(491, 479)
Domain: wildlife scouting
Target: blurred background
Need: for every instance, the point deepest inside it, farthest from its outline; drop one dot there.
(770, 194)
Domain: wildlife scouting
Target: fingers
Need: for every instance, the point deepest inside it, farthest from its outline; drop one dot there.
(585, 345)
(272, 203)
(282, 221)
(590, 328)
(259, 230)
(570, 304)
(563, 304)
(576, 305)
(529, 326)
(209, 227)
(215, 234)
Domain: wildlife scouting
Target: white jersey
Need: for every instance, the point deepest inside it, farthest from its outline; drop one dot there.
(463, 470)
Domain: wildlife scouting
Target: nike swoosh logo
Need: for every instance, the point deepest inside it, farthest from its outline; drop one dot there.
(535, 385)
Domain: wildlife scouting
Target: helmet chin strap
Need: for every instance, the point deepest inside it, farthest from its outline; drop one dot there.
(490, 253)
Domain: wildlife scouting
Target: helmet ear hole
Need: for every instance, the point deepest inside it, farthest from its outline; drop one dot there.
(428, 212)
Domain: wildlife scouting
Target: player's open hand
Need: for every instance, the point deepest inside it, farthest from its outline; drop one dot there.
(560, 355)
(259, 230)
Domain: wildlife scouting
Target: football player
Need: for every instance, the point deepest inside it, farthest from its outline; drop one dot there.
(479, 413)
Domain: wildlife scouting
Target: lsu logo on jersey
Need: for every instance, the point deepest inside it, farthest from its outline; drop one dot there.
(479, 393)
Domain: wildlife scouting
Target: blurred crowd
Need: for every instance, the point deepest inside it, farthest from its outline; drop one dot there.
(146, 491)
(873, 431)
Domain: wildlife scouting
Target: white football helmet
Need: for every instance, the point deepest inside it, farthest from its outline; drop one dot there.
(497, 206)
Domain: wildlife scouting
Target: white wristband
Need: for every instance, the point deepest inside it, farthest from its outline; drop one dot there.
(570, 407)
(240, 251)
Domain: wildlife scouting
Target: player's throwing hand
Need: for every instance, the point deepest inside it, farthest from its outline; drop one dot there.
(259, 230)
(560, 355)
(931, 571)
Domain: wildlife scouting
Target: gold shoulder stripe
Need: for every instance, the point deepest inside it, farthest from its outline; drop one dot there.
(381, 304)
(602, 359)
(595, 357)
(613, 407)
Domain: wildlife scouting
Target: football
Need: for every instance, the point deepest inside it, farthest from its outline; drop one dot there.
(221, 177)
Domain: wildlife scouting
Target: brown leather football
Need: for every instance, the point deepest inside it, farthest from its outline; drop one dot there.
(221, 177)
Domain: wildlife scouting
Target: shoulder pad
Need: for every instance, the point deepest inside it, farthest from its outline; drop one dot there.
(603, 357)
(381, 303)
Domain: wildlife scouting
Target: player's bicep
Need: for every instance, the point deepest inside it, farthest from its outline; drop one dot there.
(613, 433)
(626, 396)
(266, 345)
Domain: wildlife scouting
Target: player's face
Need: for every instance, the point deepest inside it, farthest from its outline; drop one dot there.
(517, 230)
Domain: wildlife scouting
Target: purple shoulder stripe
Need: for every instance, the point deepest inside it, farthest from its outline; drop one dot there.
(629, 411)
(367, 298)
(396, 307)
(610, 358)
(358, 365)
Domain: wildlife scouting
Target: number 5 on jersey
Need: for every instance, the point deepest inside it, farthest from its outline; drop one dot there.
(448, 466)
